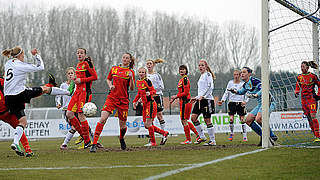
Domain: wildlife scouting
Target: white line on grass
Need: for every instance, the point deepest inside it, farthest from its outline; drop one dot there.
(101, 167)
(169, 173)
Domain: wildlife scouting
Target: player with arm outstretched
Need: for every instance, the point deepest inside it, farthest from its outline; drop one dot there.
(236, 104)
(146, 92)
(120, 79)
(306, 83)
(185, 104)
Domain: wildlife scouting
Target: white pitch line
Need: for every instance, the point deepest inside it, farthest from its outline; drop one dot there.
(102, 167)
(169, 173)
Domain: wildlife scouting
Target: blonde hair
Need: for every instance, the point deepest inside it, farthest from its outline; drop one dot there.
(208, 68)
(71, 68)
(14, 52)
(156, 61)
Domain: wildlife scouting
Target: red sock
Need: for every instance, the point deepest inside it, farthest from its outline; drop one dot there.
(187, 132)
(25, 143)
(97, 132)
(151, 134)
(123, 132)
(158, 130)
(316, 127)
(76, 124)
(311, 126)
(85, 131)
(191, 126)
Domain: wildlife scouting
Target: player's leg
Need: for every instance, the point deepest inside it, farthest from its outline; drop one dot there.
(231, 112)
(194, 118)
(184, 122)
(207, 110)
(241, 111)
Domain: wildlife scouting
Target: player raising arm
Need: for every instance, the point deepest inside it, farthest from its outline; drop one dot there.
(306, 82)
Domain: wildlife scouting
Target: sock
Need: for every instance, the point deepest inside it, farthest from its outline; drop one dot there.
(271, 132)
(17, 134)
(59, 91)
(158, 130)
(211, 133)
(76, 124)
(256, 128)
(191, 126)
(199, 129)
(25, 143)
(151, 134)
(91, 134)
(316, 127)
(162, 124)
(231, 125)
(123, 132)
(244, 130)
(85, 131)
(311, 125)
(97, 132)
(68, 137)
(187, 132)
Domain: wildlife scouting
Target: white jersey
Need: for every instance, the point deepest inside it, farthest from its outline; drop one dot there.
(234, 97)
(65, 98)
(157, 82)
(205, 86)
(15, 74)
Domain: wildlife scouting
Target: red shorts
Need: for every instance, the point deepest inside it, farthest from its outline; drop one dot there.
(10, 119)
(149, 111)
(122, 106)
(185, 110)
(77, 101)
(309, 104)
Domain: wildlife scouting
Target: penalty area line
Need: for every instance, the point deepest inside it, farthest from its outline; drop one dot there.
(172, 172)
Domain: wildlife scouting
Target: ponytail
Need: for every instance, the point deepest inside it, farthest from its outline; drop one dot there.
(311, 64)
(14, 52)
(156, 61)
(7, 52)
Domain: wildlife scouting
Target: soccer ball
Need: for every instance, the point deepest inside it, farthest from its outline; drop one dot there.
(89, 109)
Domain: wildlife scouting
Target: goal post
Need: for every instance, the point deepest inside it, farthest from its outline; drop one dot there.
(289, 35)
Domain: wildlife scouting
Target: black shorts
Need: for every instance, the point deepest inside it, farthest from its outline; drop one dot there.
(15, 103)
(159, 101)
(236, 108)
(205, 106)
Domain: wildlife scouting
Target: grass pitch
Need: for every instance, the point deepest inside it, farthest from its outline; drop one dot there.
(139, 162)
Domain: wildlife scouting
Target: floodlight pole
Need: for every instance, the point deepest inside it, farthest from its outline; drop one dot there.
(265, 73)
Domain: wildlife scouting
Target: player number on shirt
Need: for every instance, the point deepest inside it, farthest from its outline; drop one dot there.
(9, 75)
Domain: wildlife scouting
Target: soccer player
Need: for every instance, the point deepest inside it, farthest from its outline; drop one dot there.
(85, 75)
(16, 93)
(252, 88)
(306, 82)
(204, 103)
(236, 104)
(185, 105)
(159, 86)
(13, 121)
(120, 79)
(146, 92)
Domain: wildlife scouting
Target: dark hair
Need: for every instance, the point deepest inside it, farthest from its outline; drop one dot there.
(248, 69)
(184, 67)
(85, 51)
(132, 60)
(312, 64)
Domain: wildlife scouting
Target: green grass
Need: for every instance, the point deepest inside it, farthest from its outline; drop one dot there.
(274, 163)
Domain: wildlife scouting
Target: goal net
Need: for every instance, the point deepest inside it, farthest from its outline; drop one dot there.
(288, 47)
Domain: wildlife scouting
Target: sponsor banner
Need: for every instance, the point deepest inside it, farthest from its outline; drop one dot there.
(52, 128)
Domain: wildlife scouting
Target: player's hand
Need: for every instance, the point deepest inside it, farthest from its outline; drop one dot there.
(174, 97)
(192, 100)
(77, 81)
(130, 74)
(135, 105)
(243, 103)
(252, 95)
(112, 87)
(34, 51)
(296, 93)
(200, 98)
(147, 93)
(219, 103)
(59, 106)
(232, 90)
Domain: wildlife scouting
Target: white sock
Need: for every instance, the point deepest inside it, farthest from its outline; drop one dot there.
(244, 130)
(162, 126)
(200, 131)
(231, 128)
(67, 139)
(17, 134)
(211, 134)
(59, 91)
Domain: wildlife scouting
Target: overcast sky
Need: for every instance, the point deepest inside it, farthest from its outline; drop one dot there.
(220, 11)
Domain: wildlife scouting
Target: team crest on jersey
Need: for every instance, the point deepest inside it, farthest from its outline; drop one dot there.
(83, 66)
(127, 73)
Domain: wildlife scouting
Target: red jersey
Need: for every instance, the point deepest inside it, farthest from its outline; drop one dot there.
(184, 88)
(121, 81)
(144, 86)
(2, 102)
(307, 82)
(86, 75)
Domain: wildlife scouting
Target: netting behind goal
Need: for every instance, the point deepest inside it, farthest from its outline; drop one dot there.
(288, 47)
